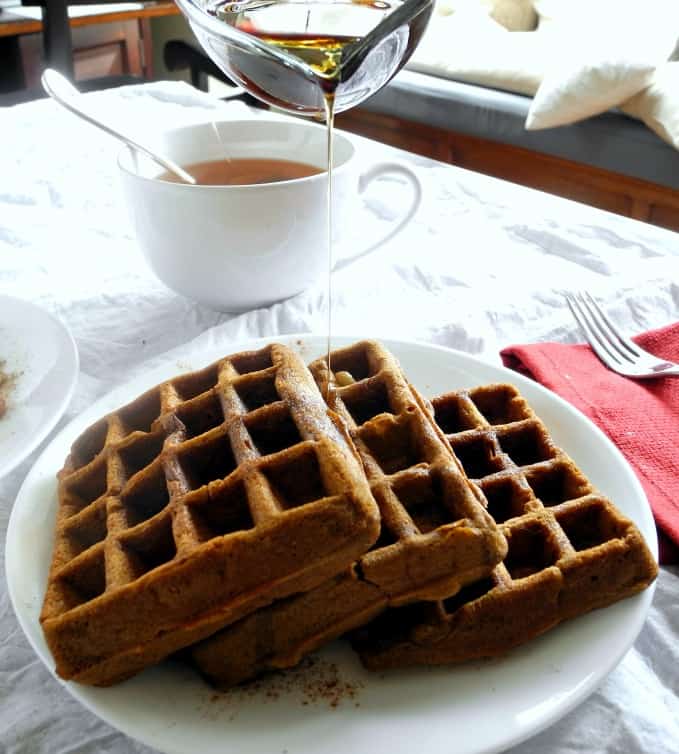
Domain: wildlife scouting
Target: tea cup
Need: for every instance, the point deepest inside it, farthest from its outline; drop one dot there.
(239, 247)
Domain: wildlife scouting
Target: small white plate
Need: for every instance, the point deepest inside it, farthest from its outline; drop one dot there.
(469, 709)
(39, 350)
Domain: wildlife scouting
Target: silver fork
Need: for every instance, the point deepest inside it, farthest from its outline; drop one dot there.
(617, 352)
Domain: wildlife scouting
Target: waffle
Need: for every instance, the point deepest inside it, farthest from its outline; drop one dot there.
(570, 549)
(207, 497)
(435, 533)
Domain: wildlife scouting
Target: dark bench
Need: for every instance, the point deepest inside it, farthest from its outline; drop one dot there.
(610, 160)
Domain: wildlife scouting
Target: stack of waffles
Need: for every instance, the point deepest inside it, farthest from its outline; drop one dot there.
(235, 514)
(435, 534)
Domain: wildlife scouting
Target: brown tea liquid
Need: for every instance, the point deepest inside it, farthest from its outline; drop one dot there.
(244, 171)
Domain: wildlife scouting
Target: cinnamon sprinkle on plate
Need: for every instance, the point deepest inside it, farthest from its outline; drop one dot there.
(7, 383)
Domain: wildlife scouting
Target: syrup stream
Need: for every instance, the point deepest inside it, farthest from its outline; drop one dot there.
(329, 102)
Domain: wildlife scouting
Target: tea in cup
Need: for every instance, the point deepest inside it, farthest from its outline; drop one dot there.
(254, 229)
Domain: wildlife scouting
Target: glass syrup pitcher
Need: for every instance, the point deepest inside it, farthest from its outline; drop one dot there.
(296, 54)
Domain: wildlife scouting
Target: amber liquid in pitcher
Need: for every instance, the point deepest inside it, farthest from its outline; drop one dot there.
(317, 33)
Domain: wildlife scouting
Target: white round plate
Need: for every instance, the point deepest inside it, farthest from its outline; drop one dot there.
(478, 707)
(39, 350)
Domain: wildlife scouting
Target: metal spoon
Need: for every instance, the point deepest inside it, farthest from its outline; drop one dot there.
(60, 89)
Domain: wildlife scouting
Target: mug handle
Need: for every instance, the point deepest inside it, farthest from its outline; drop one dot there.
(376, 171)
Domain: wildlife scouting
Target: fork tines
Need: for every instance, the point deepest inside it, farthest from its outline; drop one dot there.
(615, 350)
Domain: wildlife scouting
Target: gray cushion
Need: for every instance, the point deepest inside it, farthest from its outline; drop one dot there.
(611, 141)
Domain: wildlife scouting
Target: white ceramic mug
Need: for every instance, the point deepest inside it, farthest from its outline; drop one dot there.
(239, 247)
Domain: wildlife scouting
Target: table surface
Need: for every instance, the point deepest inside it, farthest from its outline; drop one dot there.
(482, 265)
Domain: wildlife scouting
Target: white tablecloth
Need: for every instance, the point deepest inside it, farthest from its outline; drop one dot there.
(480, 267)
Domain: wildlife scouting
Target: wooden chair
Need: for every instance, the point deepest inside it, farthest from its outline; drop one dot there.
(58, 54)
(58, 42)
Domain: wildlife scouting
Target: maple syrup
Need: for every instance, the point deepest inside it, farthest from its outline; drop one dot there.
(318, 58)
(330, 123)
(323, 36)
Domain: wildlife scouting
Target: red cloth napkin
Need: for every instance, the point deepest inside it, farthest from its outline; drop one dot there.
(640, 416)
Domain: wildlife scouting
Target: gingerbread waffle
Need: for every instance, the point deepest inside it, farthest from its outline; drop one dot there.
(570, 549)
(207, 497)
(435, 533)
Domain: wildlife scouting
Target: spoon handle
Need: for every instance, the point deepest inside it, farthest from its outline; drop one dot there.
(59, 89)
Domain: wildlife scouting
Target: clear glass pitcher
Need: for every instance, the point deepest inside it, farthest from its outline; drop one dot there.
(294, 54)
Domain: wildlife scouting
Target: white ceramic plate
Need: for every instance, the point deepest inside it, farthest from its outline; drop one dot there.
(40, 351)
(479, 707)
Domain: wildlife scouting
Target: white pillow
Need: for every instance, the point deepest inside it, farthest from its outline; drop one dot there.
(474, 48)
(556, 11)
(513, 15)
(603, 53)
(569, 94)
(658, 105)
(584, 12)
(651, 24)
(448, 7)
